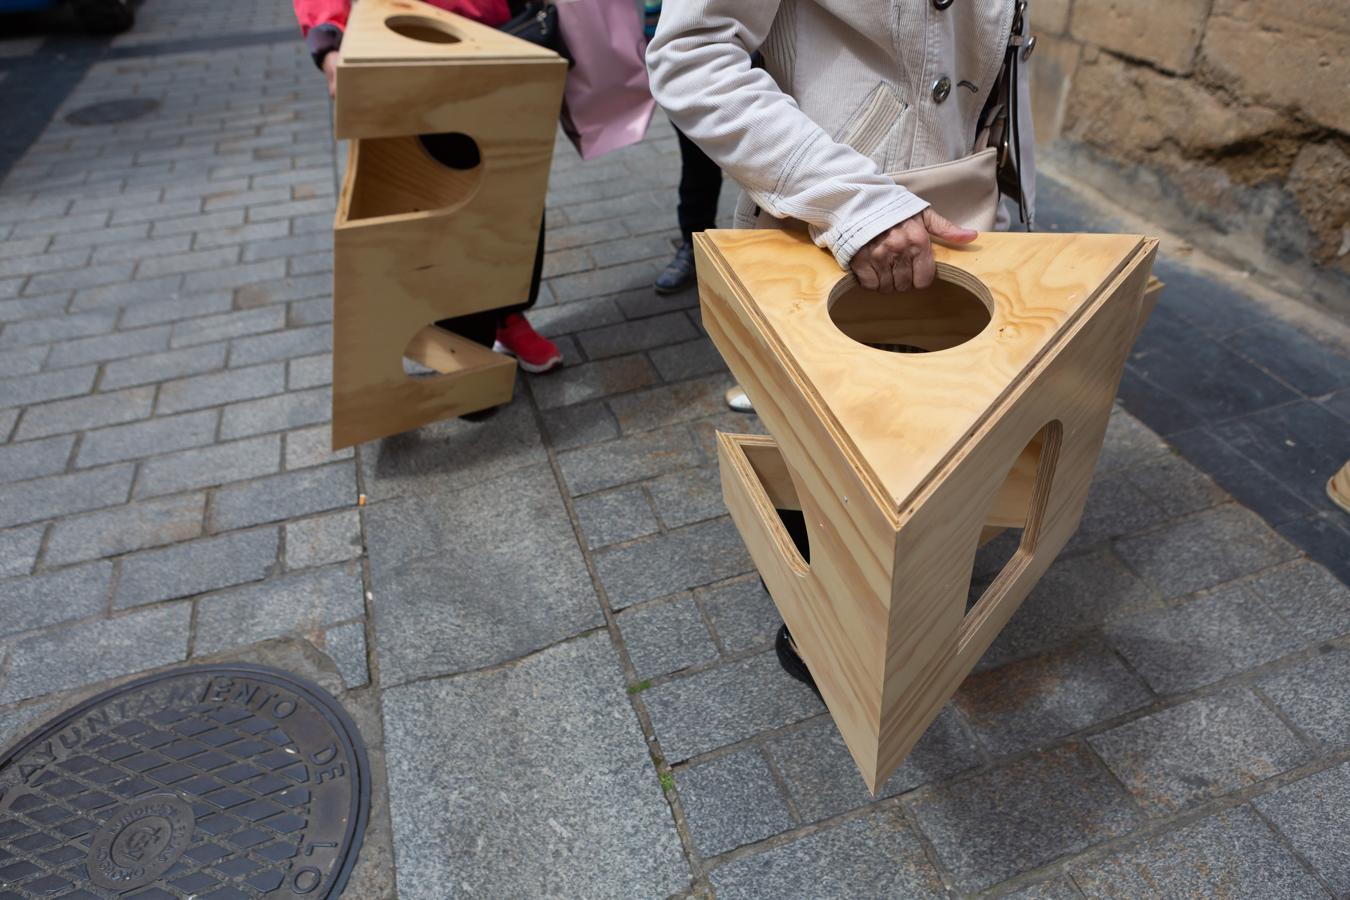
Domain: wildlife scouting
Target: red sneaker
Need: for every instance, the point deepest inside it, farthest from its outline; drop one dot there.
(534, 352)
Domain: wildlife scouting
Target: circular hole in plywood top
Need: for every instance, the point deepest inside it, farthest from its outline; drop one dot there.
(946, 314)
(422, 28)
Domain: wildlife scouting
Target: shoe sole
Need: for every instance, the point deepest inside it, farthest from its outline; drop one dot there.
(666, 292)
(532, 368)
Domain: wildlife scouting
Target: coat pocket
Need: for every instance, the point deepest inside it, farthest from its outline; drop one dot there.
(867, 129)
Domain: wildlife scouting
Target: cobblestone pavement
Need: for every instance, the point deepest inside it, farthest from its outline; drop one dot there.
(545, 623)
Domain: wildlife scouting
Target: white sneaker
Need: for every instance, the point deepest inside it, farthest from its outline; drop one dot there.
(738, 400)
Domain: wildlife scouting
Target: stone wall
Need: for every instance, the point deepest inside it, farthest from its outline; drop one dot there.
(1227, 120)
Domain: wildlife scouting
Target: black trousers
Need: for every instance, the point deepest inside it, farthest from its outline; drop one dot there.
(700, 186)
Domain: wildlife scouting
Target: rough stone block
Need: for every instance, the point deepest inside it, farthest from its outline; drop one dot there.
(209, 466)
(1022, 815)
(1230, 854)
(1166, 34)
(284, 496)
(731, 801)
(504, 584)
(465, 824)
(196, 567)
(1283, 54)
(877, 855)
(91, 652)
(665, 637)
(1204, 550)
(303, 603)
(1208, 747)
(726, 704)
(673, 561)
(60, 596)
(322, 540)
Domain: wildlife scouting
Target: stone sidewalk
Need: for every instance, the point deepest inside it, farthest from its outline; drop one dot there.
(545, 623)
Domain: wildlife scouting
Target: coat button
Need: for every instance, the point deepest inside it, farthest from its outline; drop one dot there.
(942, 88)
(942, 4)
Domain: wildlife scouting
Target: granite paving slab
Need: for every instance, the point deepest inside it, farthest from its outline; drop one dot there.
(546, 756)
(460, 589)
(1186, 754)
(1232, 854)
(725, 704)
(1022, 815)
(876, 855)
(1313, 814)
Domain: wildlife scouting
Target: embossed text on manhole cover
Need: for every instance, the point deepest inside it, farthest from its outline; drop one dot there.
(110, 112)
(229, 781)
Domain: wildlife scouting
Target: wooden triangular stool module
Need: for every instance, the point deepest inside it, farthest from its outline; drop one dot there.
(908, 429)
(417, 240)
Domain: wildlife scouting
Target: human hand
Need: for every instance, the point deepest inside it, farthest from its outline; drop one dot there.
(901, 257)
(330, 64)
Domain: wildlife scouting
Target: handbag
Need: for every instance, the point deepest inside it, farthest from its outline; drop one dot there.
(607, 103)
(537, 22)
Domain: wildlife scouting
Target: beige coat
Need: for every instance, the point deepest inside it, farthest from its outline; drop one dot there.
(847, 94)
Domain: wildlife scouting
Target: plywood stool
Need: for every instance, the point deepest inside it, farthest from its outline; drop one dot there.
(908, 429)
(416, 241)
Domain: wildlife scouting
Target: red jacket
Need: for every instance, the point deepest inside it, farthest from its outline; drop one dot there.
(312, 13)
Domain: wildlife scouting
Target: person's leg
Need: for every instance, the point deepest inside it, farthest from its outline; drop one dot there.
(534, 352)
(700, 188)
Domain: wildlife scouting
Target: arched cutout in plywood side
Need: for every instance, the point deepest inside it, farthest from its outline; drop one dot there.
(1009, 539)
(404, 176)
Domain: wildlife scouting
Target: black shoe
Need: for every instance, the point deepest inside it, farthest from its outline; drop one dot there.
(791, 662)
(481, 415)
(679, 273)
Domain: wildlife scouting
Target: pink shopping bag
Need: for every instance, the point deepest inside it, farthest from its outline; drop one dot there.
(607, 103)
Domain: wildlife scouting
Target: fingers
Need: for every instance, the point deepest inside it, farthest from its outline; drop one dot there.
(882, 263)
(937, 226)
(863, 271)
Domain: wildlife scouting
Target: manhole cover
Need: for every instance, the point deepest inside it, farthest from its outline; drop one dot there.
(209, 782)
(110, 112)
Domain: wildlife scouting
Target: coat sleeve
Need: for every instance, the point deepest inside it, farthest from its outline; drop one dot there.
(311, 13)
(702, 76)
